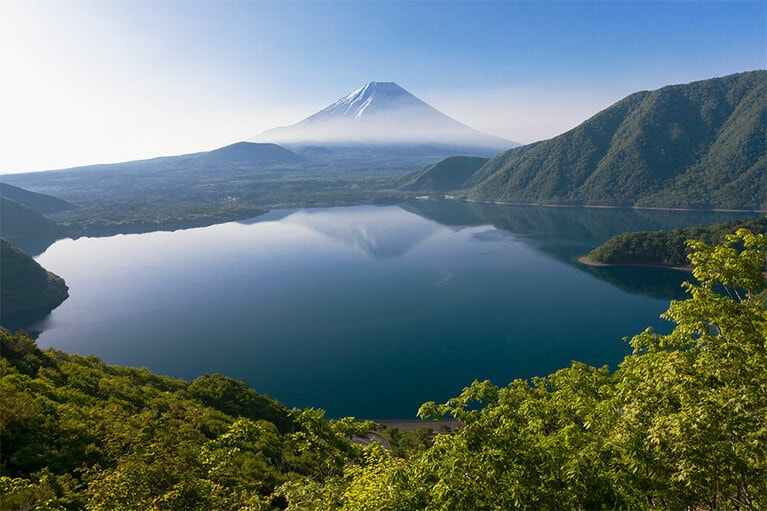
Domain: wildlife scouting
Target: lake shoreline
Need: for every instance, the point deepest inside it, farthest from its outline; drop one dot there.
(447, 425)
(366, 311)
(597, 206)
(588, 262)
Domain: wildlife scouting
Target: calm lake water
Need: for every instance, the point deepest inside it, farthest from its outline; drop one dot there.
(363, 311)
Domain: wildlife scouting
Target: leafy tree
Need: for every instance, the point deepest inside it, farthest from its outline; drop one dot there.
(694, 402)
(237, 398)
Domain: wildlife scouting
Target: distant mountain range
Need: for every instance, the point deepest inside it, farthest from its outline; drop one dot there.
(243, 155)
(380, 124)
(699, 145)
(383, 113)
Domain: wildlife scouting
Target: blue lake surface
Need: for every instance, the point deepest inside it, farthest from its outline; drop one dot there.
(363, 311)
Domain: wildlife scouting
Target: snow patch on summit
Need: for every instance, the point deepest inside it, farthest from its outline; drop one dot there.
(382, 113)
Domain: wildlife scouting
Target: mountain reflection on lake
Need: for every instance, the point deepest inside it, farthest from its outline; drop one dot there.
(363, 311)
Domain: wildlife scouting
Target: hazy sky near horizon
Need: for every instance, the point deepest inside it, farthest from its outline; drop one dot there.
(90, 81)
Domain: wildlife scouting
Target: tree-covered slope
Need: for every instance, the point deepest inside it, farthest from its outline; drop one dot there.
(697, 145)
(446, 175)
(25, 286)
(79, 434)
(666, 248)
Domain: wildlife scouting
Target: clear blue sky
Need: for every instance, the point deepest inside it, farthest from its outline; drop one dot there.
(103, 81)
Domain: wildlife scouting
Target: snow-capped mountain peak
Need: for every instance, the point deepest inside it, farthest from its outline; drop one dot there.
(382, 113)
(371, 99)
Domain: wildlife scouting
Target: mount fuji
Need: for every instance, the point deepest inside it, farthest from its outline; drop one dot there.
(385, 114)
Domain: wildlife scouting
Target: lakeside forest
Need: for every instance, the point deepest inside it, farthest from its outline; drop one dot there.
(681, 424)
(666, 248)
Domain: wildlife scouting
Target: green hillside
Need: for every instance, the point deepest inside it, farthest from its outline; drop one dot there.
(698, 145)
(447, 175)
(79, 434)
(25, 286)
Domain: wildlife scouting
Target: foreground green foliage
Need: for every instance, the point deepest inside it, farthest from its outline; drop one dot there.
(682, 424)
(78, 434)
(666, 248)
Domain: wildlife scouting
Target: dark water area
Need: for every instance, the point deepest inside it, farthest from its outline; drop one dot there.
(363, 311)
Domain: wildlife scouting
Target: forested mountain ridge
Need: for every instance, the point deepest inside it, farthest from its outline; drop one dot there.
(23, 219)
(19, 223)
(443, 176)
(38, 202)
(697, 145)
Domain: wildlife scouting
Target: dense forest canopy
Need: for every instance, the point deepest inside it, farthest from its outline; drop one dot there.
(666, 248)
(443, 176)
(679, 425)
(697, 145)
